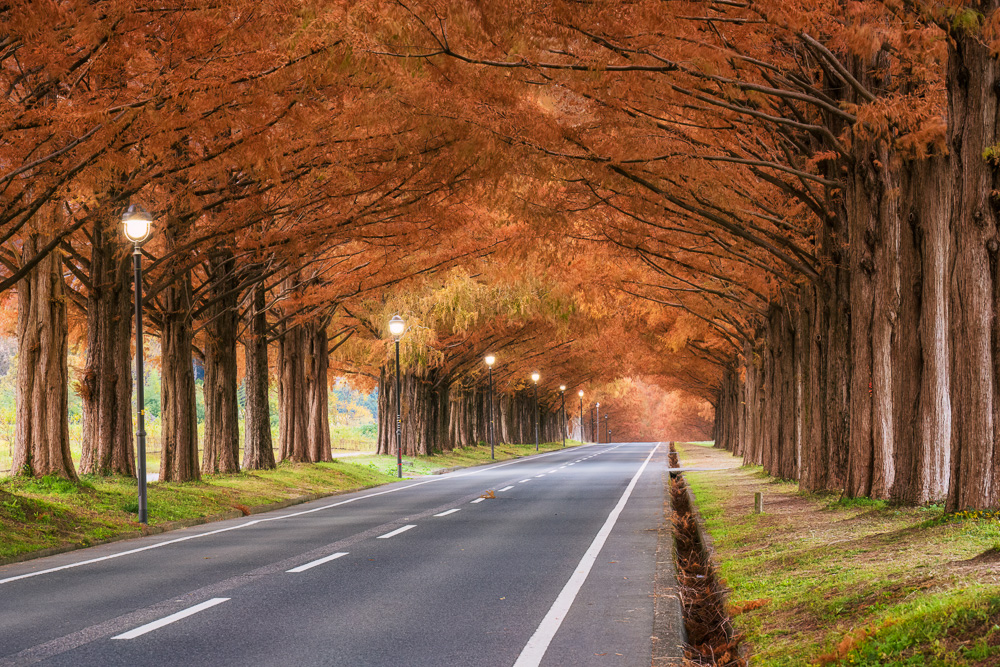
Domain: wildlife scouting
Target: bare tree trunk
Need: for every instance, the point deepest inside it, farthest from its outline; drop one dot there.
(222, 427)
(258, 452)
(179, 449)
(41, 441)
(973, 125)
(106, 382)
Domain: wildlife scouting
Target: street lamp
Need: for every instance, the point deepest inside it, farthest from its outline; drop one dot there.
(562, 390)
(534, 377)
(598, 431)
(582, 437)
(396, 327)
(607, 431)
(137, 223)
(490, 360)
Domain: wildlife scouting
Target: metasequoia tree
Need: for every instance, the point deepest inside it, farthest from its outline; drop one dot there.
(795, 143)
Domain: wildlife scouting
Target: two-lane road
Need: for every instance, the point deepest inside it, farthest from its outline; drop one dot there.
(556, 569)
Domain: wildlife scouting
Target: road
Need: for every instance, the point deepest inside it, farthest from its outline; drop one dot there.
(556, 570)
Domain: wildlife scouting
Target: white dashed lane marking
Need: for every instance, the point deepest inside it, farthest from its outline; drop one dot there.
(396, 532)
(312, 564)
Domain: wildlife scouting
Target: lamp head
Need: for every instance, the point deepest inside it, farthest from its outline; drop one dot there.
(598, 405)
(137, 223)
(562, 387)
(490, 360)
(580, 393)
(397, 326)
(535, 377)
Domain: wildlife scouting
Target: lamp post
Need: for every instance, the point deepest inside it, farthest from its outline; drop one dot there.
(607, 432)
(562, 391)
(490, 360)
(396, 327)
(592, 422)
(580, 394)
(137, 223)
(534, 377)
(598, 431)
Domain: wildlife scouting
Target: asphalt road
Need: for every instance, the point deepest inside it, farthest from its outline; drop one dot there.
(556, 570)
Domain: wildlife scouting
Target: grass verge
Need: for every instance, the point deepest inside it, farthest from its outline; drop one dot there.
(817, 580)
(53, 513)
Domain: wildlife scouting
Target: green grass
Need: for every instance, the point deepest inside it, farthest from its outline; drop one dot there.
(819, 580)
(51, 512)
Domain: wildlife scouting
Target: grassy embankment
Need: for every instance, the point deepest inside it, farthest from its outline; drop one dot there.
(54, 513)
(817, 580)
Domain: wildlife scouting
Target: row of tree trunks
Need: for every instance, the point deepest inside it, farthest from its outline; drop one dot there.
(438, 416)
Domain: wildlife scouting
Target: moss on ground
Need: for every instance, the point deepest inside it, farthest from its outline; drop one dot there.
(820, 580)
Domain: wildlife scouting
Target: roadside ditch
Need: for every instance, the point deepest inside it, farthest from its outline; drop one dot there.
(711, 638)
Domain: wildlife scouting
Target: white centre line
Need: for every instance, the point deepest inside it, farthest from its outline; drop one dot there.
(325, 559)
(167, 620)
(396, 532)
(447, 512)
(542, 475)
(477, 500)
(523, 481)
(506, 488)
(554, 470)
(282, 517)
(534, 650)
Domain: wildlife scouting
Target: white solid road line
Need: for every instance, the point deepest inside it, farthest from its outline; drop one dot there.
(396, 532)
(282, 517)
(506, 488)
(534, 651)
(326, 559)
(167, 620)
(478, 500)
(447, 512)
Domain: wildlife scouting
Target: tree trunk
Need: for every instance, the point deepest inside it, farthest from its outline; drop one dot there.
(258, 452)
(317, 364)
(923, 408)
(293, 397)
(106, 382)
(41, 441)
(972, 76)
(222, 428)
(179, 447)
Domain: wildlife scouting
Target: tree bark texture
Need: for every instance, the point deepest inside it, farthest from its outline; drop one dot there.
(293, 396)
(258, 452)
(972, 76)
(179, 446)
(317, 366)
(41, 440)
(222, 430)
(106, 383)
